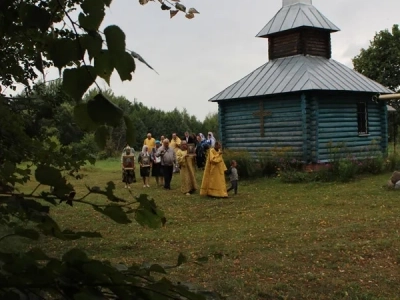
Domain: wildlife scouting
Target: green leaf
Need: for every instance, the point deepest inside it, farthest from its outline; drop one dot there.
(89, 294)
(115, 213)
(92, 43)
(157, 268)
(77, 81)
(101, 136)
(7, 169)
(48, 175)
(147, 218)
(104, 65)
(125, 66)
(27, 233)
(75, 256)
(92, 6)
(148, 214)
(130, 131)
(39, 62)
(97, 271)
(184, 291)
(83, 119)
(92, 16)
(181, 259)
(11, 295)
(35, 17)
(64, 51)
(103, 111)
(115, 39)
(37, 254)
(49, 227)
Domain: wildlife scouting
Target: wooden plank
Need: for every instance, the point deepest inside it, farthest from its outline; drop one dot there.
(268, 133)
(267, 126)
(256, 138)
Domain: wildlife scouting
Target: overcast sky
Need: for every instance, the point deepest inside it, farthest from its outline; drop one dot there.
(198, 58)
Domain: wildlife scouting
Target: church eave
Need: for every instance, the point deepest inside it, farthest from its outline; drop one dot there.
(296, 74)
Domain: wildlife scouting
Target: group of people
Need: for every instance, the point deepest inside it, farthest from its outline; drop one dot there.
(163, 157)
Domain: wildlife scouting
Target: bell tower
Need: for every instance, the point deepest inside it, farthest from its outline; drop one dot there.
(298, 28)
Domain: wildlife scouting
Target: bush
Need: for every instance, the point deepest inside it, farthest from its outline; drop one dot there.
(374, 165)
(245, 163)
(267, 164)
(393, 162)
(293, 176)
(347, 170)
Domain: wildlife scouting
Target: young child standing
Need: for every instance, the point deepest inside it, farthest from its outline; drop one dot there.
(233, 177)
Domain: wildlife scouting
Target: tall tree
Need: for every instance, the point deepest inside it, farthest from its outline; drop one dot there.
(381, 60)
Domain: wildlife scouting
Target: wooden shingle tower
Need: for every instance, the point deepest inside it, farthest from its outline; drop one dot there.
(301, 98)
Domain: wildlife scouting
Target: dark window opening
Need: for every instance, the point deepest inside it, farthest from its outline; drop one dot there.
(362, 118)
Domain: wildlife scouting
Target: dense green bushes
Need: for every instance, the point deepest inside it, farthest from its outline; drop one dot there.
(342, 166)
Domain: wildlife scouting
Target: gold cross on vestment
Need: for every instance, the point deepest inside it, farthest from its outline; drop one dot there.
(261, 114)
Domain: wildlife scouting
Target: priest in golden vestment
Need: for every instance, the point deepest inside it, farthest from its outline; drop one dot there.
(213, 183)
(187, 167)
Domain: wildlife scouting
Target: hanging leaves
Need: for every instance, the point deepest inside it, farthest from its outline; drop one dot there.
(125, 66)
(101, 135)
(47, 175)
(189, 16)
(143, 2)
(82, 118)
(93, 14)
(140, 58)
(103, 111)
(165, 7)
(92, 43)
(39, 62)
(130, 130)
(34, 17)
(63, 51)
(104, 65)
(77, 81)
(115, 39)
(192, 10)
(172, 13)
(180, 7)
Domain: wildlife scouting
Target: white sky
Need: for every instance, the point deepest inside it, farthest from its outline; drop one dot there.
(198, 58)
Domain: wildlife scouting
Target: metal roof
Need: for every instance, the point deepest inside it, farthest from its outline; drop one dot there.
(295, 16)
(300, 73)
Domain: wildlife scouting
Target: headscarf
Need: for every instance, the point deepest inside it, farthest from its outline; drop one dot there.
(212, 139)
(126, 148)
(202, 137)
(145, 151)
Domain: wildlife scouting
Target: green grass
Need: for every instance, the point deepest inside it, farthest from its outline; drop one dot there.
(273, 240)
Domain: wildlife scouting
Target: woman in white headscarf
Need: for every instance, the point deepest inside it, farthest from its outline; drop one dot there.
(211, 139)
(144, 159)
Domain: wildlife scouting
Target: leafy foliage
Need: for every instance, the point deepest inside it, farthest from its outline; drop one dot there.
(381, 60)
(76, 276)
(35, 35)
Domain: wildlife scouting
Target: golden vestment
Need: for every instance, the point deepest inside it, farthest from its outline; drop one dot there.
(187, 167)
(213, 183)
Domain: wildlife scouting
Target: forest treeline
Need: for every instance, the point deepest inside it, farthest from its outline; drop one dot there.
(51, 113)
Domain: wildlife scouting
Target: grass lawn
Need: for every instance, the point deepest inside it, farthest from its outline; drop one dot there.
(272, 241)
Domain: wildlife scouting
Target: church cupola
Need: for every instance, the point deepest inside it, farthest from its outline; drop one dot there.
(298, 28)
